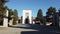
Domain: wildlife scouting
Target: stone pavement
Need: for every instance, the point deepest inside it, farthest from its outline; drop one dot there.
(13, 30)
(29, 29)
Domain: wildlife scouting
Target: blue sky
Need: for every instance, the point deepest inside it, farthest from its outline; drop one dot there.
(33, 5)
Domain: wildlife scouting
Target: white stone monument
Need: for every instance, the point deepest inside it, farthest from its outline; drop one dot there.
(5, 21)
(24, 17)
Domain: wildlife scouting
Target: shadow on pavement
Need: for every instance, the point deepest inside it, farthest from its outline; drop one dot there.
(37, 32)
(35, 27)
(41, 29)
(30, 26)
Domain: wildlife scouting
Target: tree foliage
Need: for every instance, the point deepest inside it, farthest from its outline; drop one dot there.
(2, 2)
(40, 15)
(2, 9)
(52, 9)
(15, 13)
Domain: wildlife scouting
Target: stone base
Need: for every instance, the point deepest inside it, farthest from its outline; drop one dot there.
(5, 22)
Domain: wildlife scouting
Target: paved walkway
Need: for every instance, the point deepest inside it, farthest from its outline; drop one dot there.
(13, 30)
(29, 29)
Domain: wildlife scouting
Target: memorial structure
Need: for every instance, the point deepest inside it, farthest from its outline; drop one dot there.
(5, 19)
(24, 16)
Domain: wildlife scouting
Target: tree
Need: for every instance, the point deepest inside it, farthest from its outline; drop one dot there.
(51, 15)
(2, 2)
(10, 13)
(2, 10)
(52, 10)
(40, 16)
(15, 13)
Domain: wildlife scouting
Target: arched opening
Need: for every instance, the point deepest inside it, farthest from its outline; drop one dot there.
(27, 20)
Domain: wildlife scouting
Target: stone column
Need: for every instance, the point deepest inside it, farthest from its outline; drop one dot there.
(30, 17)
(23, 18)
(5, 21)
